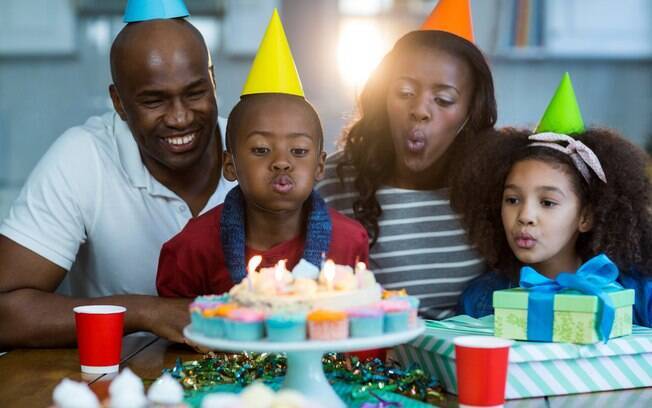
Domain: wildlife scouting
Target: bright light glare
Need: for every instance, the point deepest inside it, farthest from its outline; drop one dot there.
(363, 7)
(360, 48)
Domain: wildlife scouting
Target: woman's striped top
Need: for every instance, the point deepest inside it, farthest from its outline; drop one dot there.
(421, 246)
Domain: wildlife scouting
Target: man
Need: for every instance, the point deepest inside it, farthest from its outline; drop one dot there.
(107, 194)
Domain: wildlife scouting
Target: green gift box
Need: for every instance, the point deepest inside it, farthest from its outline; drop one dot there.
(575, 315)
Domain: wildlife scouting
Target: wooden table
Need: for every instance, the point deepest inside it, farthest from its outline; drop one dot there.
(28, 376)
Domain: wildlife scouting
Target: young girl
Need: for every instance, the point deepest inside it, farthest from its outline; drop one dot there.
(552, 202)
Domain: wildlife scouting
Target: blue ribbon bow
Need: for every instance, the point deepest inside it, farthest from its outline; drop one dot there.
(594, 277)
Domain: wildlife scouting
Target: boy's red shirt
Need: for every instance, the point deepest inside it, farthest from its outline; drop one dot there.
(192, 262)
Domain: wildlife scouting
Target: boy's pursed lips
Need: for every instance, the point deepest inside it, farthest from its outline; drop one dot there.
(282, 183)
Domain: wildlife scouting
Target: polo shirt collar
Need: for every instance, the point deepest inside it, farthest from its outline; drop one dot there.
(129, 154)
(132, 163)
(140, 177)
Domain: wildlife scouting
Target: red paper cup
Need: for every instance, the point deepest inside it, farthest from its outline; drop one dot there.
(481, 367)
(364, 355)
(99, 337)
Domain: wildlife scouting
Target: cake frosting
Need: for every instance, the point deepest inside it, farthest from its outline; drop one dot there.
(335, 287)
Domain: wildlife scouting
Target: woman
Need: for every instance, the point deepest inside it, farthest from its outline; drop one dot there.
(427, 100)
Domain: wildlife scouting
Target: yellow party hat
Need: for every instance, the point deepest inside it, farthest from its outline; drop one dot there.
(273, 70)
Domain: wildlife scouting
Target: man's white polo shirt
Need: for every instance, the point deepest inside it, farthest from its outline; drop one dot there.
(92, 207)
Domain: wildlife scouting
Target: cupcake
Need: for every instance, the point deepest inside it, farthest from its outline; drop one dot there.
(286, 326)
(366, 321)
(214, 319)
(414, 309)
(196, 317)
(328, 325)
(243, 324)
(388, 294)
(396, 315)
(199, 305)
(214, 299)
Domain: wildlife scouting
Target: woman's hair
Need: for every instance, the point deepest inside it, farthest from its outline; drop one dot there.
(622, 222)
(367, 143)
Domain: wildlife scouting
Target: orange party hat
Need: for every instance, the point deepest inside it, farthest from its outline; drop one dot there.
(453, 16)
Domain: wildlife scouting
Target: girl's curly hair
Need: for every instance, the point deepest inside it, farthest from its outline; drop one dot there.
(622, 221)
(367, 144)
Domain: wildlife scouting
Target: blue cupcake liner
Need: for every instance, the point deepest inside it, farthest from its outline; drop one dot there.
(244, 331)
(396, 321)
(366, 326)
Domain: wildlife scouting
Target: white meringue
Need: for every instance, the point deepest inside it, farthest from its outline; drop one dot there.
(222, 400)
(128, 400)
(166, 391)
(290, 399)
(126, 381)
(73, 394)
(257, 395)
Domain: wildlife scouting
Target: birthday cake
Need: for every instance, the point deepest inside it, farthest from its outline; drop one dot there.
(337, 287)
(278, 305)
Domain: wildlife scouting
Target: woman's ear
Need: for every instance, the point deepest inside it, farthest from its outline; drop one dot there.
(229, 167)
(586, 219)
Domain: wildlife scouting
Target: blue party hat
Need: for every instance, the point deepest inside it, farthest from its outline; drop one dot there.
(143, 10)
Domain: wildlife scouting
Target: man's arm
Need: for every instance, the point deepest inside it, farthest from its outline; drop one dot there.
(32, 315)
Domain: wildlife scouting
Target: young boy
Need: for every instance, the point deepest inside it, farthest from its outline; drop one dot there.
(274, 151)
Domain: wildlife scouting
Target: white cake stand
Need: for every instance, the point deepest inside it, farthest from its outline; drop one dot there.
(304, 367)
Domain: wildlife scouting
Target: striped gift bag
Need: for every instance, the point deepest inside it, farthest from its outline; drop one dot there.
(538, 369)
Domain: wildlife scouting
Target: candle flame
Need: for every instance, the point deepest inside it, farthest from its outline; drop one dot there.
(253, 263)
(279, 269)
(329, 270)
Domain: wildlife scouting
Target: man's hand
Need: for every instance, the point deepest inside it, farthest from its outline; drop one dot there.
(166, 317)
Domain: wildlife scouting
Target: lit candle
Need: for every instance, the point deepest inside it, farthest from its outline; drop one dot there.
(251, 269)
(279, 272)
(329, 273)
(360, 268)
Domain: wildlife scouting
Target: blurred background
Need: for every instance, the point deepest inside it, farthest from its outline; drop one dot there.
(54, 70)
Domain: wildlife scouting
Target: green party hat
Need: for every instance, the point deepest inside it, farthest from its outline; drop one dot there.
(563, 113)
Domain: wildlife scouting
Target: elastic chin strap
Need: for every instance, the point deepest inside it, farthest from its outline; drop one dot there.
(463, 124)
